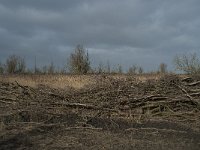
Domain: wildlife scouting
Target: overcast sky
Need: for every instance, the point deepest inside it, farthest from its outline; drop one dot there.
(126, 32)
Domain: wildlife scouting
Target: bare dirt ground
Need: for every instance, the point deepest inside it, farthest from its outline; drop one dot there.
(100, 112)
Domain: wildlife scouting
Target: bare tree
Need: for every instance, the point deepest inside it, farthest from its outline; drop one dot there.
(100, 68)
(21, 65)
(79, 61)
(39, 70)
(62, 71)
(45, 69)
(119, 70)
(189, 64)
(51, 68)
(133, 69)
(108, 67)
(11, 64)
(15, 64)
(1, 68)
(140, 70)
(163, 68)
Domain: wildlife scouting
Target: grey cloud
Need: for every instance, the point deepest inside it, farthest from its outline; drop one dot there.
(42, 4)
(132, 31)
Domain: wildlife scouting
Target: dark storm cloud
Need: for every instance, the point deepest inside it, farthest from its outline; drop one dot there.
(144, 32)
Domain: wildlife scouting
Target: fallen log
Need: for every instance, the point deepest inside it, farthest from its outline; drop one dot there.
(2, 101)
(56, 95)
(83, 128)
(186, 79)
(194, 83)
(76, 105)
(8, 98)
(189, 96)
(195, 94)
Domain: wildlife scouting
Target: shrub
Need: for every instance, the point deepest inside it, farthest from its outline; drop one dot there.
(79, 61)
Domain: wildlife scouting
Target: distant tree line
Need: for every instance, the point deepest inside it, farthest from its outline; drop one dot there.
(79, 63)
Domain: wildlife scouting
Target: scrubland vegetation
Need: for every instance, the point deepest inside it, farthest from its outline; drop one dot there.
(79, 63)
(99, 108)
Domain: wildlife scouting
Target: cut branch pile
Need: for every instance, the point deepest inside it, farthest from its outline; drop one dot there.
(170, 97)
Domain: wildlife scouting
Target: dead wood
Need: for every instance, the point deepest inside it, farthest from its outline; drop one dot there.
(23, 87)
(83, 128)
(156, 130)
(77, 105)
(132, 101)
(186, 79)
(194, 83)
(8, 98)
(195, 94)
(56, 95)
(7, 102)
(188, 95)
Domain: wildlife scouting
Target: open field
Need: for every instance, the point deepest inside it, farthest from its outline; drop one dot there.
(100, 112)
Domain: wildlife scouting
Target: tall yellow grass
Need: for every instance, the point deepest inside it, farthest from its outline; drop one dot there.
(54, 81)
(66, 81)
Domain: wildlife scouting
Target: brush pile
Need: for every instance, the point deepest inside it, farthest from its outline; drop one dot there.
(111, 104)
(170, 96)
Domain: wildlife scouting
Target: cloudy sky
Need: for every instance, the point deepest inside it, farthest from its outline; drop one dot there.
(126, 32)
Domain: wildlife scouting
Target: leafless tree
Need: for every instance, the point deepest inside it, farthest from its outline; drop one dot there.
(45, 69)
(100, 68)
(119, 70)
(51, 68)
(133, 69)
(140, 70)
(15, 64)
(189, 64)
(108, 70)
(1, 68)
(163, 68)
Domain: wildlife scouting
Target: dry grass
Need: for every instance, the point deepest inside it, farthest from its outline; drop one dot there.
(70, 81)
(138, 77)
(65, 81)
(53, 81)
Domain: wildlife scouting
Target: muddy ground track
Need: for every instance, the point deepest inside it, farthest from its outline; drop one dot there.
(169, 106)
